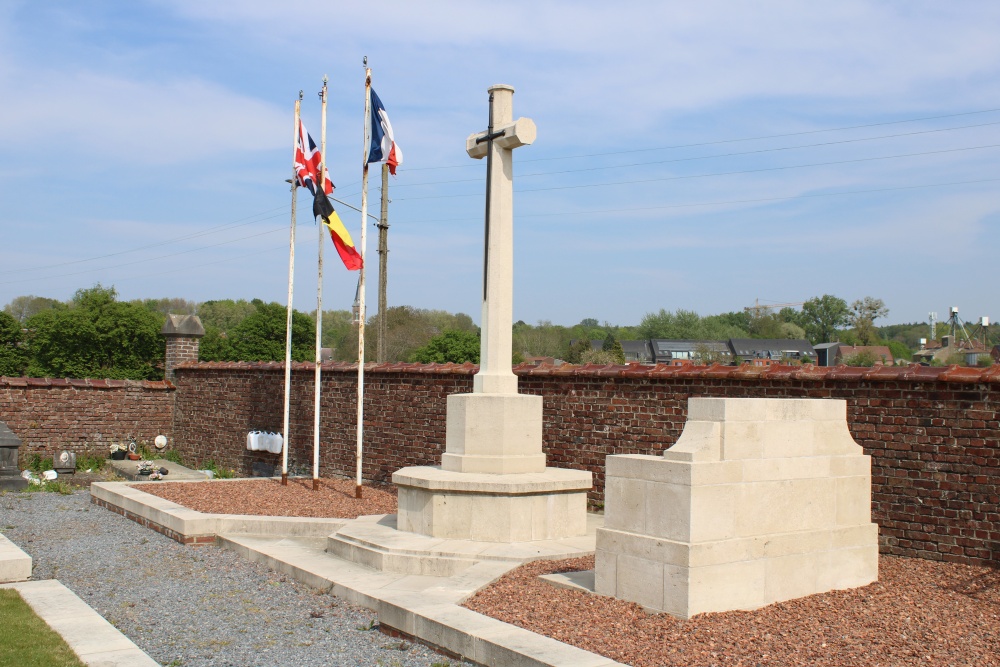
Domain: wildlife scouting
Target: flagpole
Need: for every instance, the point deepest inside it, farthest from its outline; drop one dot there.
(361, 288)
(288, 320)
(383, 259)
(319, 296)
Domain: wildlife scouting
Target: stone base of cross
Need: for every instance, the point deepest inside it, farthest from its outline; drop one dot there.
(493, 484)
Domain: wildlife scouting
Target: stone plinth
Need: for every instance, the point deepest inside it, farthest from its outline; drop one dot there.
(760, 500)
(494, 433)
(546, 505)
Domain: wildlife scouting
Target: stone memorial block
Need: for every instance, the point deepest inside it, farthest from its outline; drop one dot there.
(760, 500)
(10, 473)
(64, 463)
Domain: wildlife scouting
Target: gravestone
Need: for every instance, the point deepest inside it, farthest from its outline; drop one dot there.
(10, 474)
(759, 501)
(493, 484)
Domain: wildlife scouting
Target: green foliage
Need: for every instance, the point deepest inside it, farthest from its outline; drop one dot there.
(98, 337)
(23, 307)
(169, 306)
(899, 350)
(88, 462)
(688, 325)
(407, 330)
(26, 640)
(592, 356)
(862, 358)
(37, 463)
(220, 473)
(821, 317)
(261, 336)
(577, 350)
(864, 312)
(543, 340)
(13, 360)
(172, 455)
(454, 346)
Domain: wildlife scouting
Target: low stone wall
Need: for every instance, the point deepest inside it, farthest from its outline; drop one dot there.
(933, 433)
(83, 416)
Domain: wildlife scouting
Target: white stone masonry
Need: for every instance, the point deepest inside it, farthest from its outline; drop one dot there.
(760, 500)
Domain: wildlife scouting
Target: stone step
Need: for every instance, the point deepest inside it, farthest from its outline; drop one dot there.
(376, 543)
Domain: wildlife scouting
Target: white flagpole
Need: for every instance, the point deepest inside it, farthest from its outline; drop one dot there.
(288, 321)
(319, 297)
(361, 288)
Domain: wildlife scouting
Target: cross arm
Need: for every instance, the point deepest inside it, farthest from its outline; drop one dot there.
(519, 133)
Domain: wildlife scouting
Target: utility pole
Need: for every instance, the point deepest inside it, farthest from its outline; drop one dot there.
(383, 256)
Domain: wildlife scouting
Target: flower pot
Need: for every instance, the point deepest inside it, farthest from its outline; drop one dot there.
(132, 456)
(118, 456)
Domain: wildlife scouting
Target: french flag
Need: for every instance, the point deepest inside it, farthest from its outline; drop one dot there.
(383, 147)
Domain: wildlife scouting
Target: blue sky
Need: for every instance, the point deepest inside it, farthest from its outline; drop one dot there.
(689, 155)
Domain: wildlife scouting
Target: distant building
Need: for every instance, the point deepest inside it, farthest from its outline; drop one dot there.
(694, 351)
(771, 350)
(969, 351)
(881, 353)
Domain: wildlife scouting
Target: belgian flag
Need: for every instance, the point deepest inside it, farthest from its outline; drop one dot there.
(323, 209)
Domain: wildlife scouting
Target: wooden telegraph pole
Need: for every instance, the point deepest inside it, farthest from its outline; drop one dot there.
(383, 257)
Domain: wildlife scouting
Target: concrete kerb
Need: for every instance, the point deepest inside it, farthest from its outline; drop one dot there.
(296, 547)
(92, 638)
(15, 565)
(192, 527)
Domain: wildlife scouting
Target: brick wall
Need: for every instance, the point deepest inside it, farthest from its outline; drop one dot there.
(83, 416)
(933, 433)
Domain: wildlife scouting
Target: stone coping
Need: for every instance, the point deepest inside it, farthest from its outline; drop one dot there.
(807, 372)
(92, 638)
(15, 565)
(86, 383)
(189, 526)
(553, 480)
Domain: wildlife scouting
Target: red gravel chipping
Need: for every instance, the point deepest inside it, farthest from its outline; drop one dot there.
(919, 612)
(267, 497)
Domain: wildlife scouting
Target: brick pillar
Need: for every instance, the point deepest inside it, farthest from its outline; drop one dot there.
(182, 333)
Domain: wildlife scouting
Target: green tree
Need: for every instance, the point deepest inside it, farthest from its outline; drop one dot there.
(862, 358)
(13, 360)
(900, 352)
(864, 312)
(543, 340)
(97, 336)
(23, 307)
(577, 349)
(454, 346)
(261, 336)
(822, 316)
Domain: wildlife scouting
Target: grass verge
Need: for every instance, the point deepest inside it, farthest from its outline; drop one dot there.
(26, 640)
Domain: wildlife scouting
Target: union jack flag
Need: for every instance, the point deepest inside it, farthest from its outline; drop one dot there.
(307, 161)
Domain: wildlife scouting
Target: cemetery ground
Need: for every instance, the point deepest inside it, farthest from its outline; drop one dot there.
(207, 606)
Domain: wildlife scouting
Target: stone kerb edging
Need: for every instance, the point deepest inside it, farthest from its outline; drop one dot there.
(191, 527)
(808, 372)
(15, 565)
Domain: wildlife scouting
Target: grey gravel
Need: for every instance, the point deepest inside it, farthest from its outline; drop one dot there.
(194, 606)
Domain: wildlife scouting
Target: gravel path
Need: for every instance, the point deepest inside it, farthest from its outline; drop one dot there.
(193, 606)
(919, 612)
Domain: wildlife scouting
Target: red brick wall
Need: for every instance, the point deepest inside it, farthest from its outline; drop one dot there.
(83, 416)
(933, 433)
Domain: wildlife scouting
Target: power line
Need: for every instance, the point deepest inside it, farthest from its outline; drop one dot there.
(210, 230)
(705, 157)
(721, 203)
(722, 141)
(147, 260)
(721, 173)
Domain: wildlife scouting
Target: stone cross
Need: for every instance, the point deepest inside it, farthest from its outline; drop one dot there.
(502, 136)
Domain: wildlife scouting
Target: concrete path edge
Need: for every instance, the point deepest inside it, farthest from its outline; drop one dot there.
(92, 638)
